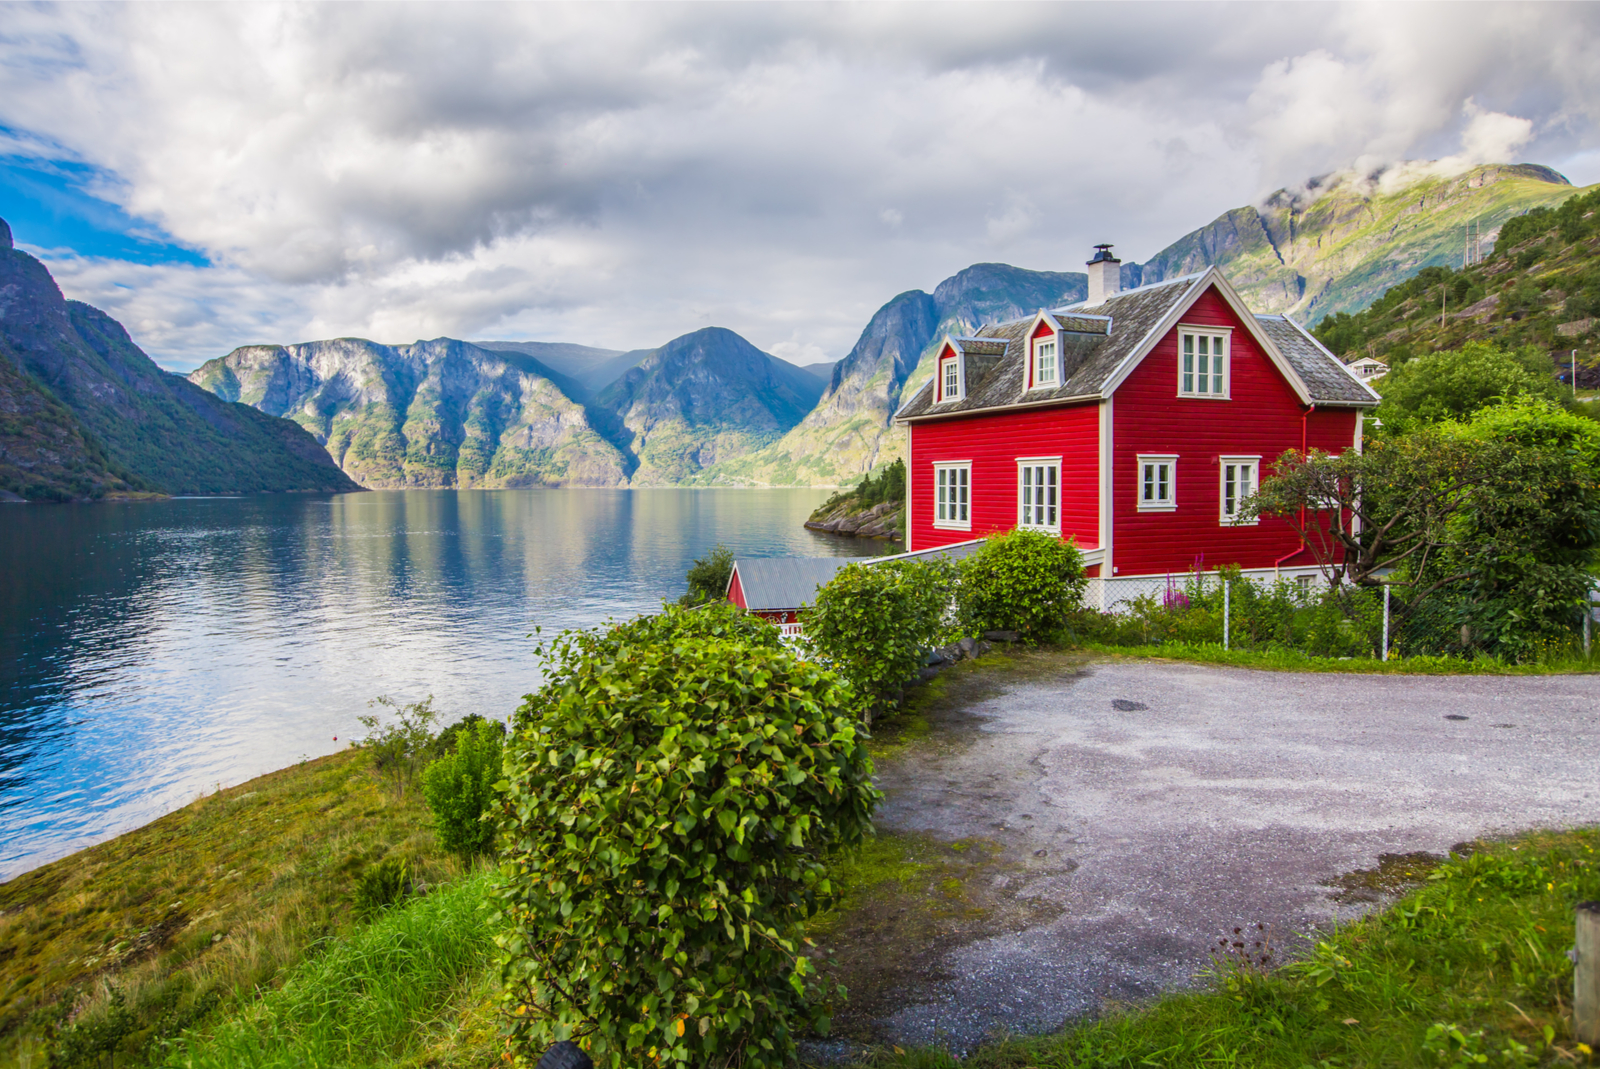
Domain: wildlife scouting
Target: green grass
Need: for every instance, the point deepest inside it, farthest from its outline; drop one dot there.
(1468, 969)
(1291, 661)
(371, 999)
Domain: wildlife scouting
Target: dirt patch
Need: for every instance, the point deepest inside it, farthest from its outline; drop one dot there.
(1393, 876)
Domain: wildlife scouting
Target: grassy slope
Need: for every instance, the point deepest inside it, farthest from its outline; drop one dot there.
(45, 453)
(208, 901)
(1522, 295)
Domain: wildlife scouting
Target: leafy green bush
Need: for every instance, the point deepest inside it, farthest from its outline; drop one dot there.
(459, 788)
(675, 789)
(381, 886)
(399, 749)
(875, 623)
(708, 577)
(1029, 582)
(1456, 383)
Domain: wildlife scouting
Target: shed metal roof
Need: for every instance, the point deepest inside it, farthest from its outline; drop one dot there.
(773, 584)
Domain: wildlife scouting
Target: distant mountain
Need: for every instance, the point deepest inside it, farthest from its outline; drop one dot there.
(84, 412)
(1338, 244)
(440, 413)
(823, 371)
(580, 370)
(848, 432)
(705, 397)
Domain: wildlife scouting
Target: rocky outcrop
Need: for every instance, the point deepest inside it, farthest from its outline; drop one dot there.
(883, 520)
(440, 413)
(86, 412)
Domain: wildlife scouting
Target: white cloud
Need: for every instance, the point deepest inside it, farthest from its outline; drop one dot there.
(617, 175)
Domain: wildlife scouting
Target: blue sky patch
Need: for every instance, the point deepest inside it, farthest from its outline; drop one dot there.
(47, 206)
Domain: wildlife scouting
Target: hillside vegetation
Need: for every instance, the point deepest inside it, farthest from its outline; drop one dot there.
(1539, 287)
(89, 413)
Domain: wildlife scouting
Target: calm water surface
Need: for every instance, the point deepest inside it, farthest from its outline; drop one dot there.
(150, 651)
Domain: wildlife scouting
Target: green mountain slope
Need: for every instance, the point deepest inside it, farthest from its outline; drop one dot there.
(45, 454)
(1540, 286)
(1339, 244)
(438, 413)
(156, 430)
(848, 434)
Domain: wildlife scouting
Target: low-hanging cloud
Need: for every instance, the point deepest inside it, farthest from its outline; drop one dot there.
(616, 174)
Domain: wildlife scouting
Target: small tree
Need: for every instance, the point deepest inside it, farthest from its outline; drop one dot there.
(1456, 383)
(399, 749)
(874, 623)
(708, 578)
(459, 788)
(1023, 581)
(673, 792)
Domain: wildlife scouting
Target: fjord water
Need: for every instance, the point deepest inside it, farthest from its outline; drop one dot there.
(150, 651)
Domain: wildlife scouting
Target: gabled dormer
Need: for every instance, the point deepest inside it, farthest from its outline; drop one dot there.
(1043, 370)
(964, 365)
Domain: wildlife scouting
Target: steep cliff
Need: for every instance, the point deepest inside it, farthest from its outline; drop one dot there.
(437, 413)
(134, 426)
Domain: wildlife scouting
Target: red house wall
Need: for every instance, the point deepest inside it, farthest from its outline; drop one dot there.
(736, 590)
(1262, 415)
(992, 443)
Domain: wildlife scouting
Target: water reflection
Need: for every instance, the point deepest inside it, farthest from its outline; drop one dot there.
(149, 651)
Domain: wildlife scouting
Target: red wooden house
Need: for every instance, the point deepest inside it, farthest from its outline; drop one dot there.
(1135, 423)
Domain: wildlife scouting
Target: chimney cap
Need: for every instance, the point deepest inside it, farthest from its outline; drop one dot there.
(1102, 253)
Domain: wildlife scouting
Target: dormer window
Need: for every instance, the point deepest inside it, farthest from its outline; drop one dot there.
(950, 379)
(1046, 362)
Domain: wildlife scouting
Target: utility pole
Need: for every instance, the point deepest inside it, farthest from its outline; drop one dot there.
(1574, 366)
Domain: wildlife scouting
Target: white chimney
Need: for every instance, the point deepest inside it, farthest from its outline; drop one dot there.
(1105, 275)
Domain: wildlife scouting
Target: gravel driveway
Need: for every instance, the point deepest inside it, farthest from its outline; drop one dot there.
(1148, 808)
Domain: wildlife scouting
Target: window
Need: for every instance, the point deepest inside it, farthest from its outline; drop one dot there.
(1203, 363)
(1038, 493)
(951, 390)
(950, 507)
(1238, 483)
(1045, 364)
(1158, 491)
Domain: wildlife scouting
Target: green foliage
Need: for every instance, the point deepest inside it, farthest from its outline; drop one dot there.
(888, 485)
(708, 577)
(673, 793)
(399, 749)
(1457, 383)
(1269, 617)
(381, 886)
(1568, 220)
(874, 623)
(1470, 968)
(1025, 581)
(459, 788)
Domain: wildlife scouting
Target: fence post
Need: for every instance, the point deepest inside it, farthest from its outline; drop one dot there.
(1227, 591)
(1586, 975)
(1588, 615)
(1386, 621)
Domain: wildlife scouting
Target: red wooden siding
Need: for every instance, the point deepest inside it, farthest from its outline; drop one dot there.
(992, 443)
(1262, 416)
(736, 589)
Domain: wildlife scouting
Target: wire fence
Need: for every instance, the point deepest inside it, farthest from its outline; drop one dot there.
(1297, 611)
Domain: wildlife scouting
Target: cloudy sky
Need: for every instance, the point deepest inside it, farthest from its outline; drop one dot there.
(221, 174)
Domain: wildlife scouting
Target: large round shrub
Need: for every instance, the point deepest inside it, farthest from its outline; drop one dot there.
(1023, 581)
(673, 792)
(875, 623)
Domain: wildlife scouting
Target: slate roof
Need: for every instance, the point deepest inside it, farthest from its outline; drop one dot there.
(774, 583)
(1097, 341)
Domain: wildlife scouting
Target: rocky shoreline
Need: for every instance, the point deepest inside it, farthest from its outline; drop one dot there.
(880, 521)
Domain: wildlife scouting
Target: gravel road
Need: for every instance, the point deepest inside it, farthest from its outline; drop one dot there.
(1152, 807)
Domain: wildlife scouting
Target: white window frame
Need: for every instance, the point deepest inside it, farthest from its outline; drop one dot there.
(1027, 507)
(1147, 461)
(1223, 464)
(1054, 340)
(960, 508)
(961, 378)
(1189, 378)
